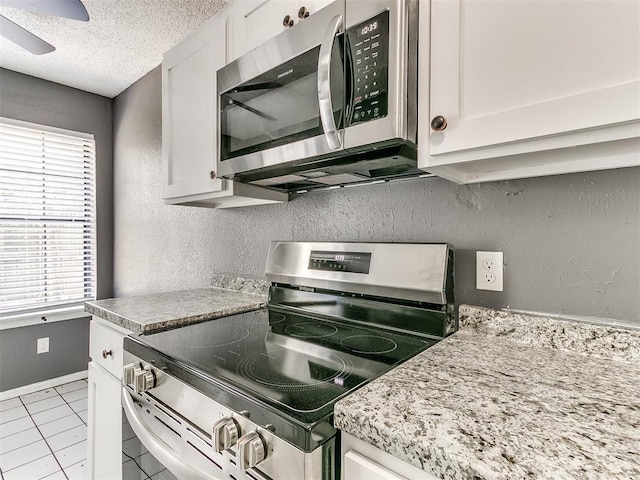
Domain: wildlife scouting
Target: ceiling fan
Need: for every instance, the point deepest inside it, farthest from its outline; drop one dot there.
(73, 9)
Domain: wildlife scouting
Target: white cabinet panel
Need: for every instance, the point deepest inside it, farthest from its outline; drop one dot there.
(189, 113)
(105, 347)
(252, 22)
(527, 76)
(363, 461)
(104, 434)
(190, 123)
(357, 467)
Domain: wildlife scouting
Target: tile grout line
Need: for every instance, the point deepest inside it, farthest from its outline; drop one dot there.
(69, 405)
(83, 422)
(42, 437)
(45, 440)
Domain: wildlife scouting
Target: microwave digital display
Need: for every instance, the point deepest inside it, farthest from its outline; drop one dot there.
(369, 28)
(369, 46)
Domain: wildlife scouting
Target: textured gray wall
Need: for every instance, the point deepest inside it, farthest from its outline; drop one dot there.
(571, 242)
(31, 99)
(68, 352)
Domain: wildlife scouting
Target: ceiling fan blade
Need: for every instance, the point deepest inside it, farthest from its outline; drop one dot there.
(24, 38)
(73, 9)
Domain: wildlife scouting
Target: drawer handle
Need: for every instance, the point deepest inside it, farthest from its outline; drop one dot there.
(106, 353)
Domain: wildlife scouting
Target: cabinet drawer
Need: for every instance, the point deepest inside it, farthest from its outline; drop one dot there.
(105, 348)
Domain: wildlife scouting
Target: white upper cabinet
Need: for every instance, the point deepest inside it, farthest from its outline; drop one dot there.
(517, 78)
(189, 107)
(189, 124)
(252, 22)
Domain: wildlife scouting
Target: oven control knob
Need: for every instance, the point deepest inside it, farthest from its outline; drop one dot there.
(225, 434)
(144, 380)
(251, 449)
(129, 373)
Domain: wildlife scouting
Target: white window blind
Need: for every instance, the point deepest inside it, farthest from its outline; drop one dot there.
(47, 217)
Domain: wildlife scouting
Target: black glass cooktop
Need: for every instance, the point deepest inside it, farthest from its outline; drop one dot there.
(298, 365)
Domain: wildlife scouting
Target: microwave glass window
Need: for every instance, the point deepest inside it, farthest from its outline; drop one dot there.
(279, 106)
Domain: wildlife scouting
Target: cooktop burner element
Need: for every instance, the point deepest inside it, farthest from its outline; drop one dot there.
(311, 330)
(256, 391)
(276, 369)
(369, 344)
(222, 336)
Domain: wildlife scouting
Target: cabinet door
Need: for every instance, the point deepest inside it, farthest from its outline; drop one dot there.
(252, 22)
(506, 73)
(104, 455)
(189, 112)
(357, 467)
(313, 6)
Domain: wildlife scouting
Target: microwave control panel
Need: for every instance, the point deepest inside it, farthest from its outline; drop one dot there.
(369, 45)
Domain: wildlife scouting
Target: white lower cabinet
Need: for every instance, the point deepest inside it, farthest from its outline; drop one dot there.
(104, 433)
(362, 461)
(105, 425)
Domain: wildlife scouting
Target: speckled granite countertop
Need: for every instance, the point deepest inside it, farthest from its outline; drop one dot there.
(510, 396)
(144, 313)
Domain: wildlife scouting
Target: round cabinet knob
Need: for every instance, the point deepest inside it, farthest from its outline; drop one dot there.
(251, 449)
(129, 373)
(144, 380)
(212, 175)
(303, 13)
(106, 353)
(225, 434)
(287, 21)
(439, 123)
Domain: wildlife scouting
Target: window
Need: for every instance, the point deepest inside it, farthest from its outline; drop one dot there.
(47, 218)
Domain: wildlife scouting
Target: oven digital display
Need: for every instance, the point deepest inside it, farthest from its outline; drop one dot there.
(352, 262)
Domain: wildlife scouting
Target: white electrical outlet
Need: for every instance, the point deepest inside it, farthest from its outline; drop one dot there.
(489, 271)
(43, 345)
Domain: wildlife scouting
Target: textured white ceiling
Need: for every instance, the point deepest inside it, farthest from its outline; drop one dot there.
(122, 41)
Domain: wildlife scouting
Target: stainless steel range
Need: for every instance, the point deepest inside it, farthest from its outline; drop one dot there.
(251, 396)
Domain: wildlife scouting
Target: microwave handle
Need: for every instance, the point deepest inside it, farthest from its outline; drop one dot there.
(324, 84)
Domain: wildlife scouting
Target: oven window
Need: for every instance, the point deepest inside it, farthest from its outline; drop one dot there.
(279, 106)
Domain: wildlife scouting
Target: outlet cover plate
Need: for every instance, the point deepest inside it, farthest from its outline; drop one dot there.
(490, 271)
(43, 345)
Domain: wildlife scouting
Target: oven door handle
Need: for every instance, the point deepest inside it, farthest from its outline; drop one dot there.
(324, 84)
(158, 448)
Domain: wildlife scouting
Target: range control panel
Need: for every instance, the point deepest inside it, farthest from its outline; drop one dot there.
(353, 262)
(369, 45)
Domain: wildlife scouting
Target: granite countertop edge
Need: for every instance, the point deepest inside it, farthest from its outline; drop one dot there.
(228, 295)
(136, 327)
(457, 415)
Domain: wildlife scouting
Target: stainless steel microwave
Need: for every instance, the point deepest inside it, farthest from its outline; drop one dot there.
(330, 101)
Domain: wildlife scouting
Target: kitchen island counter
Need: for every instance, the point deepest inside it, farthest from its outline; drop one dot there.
(510, 396)
(145, 313)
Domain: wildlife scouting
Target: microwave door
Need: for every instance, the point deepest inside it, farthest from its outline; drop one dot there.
(283, 103)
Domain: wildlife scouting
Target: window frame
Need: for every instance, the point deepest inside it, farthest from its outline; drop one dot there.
(32, 313)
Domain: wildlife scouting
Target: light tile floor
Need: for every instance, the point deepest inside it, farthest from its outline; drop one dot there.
(43, 435)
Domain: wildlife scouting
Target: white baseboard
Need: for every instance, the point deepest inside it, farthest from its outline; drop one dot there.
(34, 387)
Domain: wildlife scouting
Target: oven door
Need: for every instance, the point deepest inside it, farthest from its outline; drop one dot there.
(284, 101)
(158, 444)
